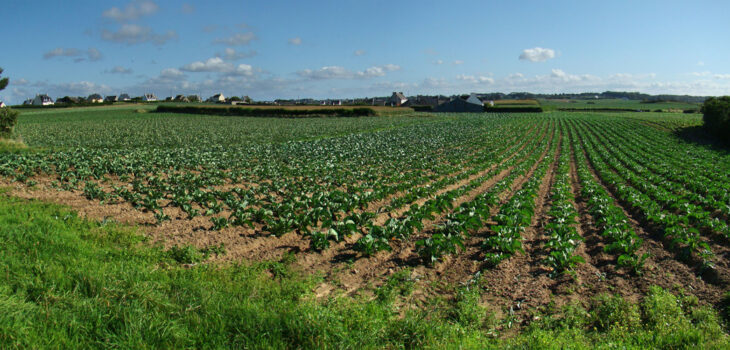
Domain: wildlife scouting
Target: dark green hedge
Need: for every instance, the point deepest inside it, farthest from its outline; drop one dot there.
(67, 105)
(496, 109)
(424, 108)
(8, 118)
(268, 112)
(716, 115)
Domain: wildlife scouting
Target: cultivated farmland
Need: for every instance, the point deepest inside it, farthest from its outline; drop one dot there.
(543, 209)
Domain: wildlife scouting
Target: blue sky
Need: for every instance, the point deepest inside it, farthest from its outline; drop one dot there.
(289, 49)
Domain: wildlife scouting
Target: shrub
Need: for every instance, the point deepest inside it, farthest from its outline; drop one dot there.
(662, 312)
(613, 311)
(186, 254)
(716, 115)
(8, 118)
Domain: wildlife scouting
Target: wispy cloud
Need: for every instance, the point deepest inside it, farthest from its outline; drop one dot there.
(338, 72)
(475, 79)
(92, 54)
(119, 70)
(295, 41)
(133, 11)
(458, 62)
(537, 54)
(131, 34)
(359, 52)
(230, 54)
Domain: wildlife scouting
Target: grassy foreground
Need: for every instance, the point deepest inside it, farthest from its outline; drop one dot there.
(70, 283)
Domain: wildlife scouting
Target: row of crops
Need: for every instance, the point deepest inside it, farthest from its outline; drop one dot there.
(434, 183)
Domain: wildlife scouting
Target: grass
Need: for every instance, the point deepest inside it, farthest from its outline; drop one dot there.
(72, 283)
(552, 104)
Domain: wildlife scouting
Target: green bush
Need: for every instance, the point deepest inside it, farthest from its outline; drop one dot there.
(716, 115)
(614, 312)
(662, 312)
(8, 118)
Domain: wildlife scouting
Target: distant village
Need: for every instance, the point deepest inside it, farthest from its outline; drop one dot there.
(466, 103)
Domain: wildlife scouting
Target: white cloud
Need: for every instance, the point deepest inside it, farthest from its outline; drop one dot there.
(700, 63)
(92, 54)
(537, 54)
(237, 39)
(701, 74)
(134, 10)
(295, 41)
(438, 62)
(119, 70)
(721, 76)
(458, 62)
(135, 34)
(172, 74)
(230, 54)
(391, 67)
(216, 64)
(338, 72)
(359, 52)
(475, 79)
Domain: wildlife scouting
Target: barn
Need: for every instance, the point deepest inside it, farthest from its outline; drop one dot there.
(472, 104)
(42, 100)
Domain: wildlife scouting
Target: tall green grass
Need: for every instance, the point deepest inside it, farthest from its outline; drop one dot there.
(70, 283)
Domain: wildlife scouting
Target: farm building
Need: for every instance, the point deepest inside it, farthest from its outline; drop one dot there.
(124, 97)
(423, 100)
(149, 98)
(42, 100)
(471, 104)
(397, 99)
(218, 98)
(110, 98)
(95, 98)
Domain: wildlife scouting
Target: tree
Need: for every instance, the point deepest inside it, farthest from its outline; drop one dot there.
(716, 115)
(8, 117)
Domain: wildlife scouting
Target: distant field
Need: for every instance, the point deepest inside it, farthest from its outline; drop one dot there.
(516, 103)
(615, 103)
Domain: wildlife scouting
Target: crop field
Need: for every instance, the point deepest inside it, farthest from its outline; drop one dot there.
(544, 209)
(617, 104)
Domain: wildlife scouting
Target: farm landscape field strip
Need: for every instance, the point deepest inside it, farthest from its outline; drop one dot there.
(375, 194)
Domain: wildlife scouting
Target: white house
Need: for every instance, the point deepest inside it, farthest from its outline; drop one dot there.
(397, 99)
(42, 100)
(218, 98)
(149, 98)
